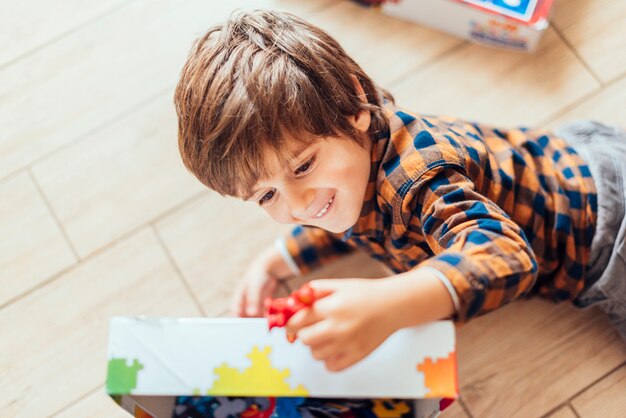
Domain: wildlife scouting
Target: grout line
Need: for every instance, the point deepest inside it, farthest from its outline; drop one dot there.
(573, 410)
(186, 284)
(465, 407)
(39, 285)
(573, 105)
(202, 193)
(111, 122)
(610, 372)
(9, 177)
(107, 124)
(435, 59)
(97, 252)
(76, 400)
(53, 213)
(577, 54)
(553, 410)
(571, 398)
(62, 35)
(581, 101)
(559, 406)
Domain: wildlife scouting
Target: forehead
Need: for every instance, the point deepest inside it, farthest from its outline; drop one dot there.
(289, 151)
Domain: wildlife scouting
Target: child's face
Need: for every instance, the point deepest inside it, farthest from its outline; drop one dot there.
(323, 187)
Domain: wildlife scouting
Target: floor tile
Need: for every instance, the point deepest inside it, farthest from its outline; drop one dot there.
(605, 399)
(563, 412)
(596, 30)
(100, 72)
(501, 88)
(213, 240)
(46, 20)
(394, 47)
(531, 356)
(606, 106)
(97, 405)
(118, 178)
(32, 248)
(56, 351)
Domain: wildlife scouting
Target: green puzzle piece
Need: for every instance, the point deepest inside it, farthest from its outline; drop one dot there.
(121, 378)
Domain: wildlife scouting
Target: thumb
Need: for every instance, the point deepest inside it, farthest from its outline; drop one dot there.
(323, 287)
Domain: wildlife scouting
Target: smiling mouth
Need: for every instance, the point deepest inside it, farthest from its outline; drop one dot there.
(323, 211)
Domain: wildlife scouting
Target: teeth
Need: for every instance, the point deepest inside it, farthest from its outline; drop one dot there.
(324, 209)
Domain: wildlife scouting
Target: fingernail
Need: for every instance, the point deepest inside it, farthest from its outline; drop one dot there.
(291, 338)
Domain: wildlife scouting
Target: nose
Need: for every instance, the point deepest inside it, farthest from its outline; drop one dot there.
(299, 202)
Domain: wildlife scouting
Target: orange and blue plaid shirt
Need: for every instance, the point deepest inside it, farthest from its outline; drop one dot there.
(499, 214)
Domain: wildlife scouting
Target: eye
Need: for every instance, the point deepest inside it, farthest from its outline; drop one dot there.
(266, 197)
(306, 166)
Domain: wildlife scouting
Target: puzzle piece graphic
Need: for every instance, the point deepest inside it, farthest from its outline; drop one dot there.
(437, 376)
(122, 378)
(259, 379)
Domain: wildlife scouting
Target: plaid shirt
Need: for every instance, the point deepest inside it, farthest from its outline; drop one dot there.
(499, 214)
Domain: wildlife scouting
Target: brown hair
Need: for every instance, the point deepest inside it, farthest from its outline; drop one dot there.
(256, 79)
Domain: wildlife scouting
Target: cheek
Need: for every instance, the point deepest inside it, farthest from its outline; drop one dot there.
(279, 213)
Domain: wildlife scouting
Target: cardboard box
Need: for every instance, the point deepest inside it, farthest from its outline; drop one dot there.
(157, 367)
(510, 24)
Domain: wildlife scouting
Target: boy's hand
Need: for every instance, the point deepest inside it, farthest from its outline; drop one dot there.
(259, 283)
(349, 319)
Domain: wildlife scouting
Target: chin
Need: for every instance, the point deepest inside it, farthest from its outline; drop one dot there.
(341, 226)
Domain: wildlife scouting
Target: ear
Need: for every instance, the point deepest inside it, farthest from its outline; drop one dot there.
(361, 121)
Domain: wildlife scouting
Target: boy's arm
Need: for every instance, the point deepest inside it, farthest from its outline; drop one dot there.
(482, 253)
(307, 248)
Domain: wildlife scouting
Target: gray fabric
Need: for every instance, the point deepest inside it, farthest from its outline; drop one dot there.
(604, 149)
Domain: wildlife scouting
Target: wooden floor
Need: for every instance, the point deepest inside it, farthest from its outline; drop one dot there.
(99, 218)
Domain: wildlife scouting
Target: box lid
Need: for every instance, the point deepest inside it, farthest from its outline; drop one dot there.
(525, 11)
(240, 357)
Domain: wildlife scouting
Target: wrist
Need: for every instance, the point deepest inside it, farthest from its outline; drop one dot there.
(277, 265)
(417, 297)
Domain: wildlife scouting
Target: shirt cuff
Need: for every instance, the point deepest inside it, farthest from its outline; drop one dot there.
(282, 247)
(446, 282)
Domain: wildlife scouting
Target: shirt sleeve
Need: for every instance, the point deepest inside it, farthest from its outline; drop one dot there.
(480, 250)
(307, 248)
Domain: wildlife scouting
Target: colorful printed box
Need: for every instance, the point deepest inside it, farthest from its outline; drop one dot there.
(230, 367)
(510, 24)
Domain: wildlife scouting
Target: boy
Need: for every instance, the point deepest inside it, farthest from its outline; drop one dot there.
(468, 217)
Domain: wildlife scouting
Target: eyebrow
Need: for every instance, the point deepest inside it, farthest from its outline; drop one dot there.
(297, 155)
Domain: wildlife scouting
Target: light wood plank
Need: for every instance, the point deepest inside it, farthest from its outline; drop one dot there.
(607, 106)
(54, 341)
(213, 240)
(32, 247)
(606, 399)
(564, 412)
(26, 25)
(498, 87)
(596, 30)
(531, 356)
(98, 73)
(394, 47)
(97, 405)
(117, 179)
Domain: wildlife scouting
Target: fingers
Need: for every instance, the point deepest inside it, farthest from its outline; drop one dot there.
(237, 307)
(302, 319)
(250, 296)
(339, 362)
(256, 294)
(323, 287)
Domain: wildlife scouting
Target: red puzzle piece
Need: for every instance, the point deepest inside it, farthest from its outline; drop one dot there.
(279, 310)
